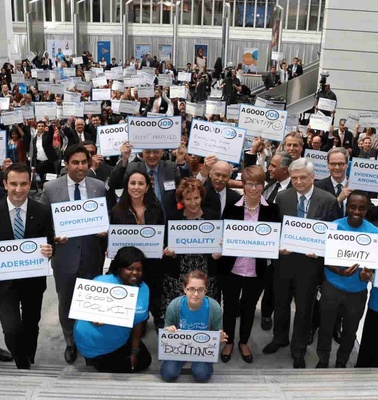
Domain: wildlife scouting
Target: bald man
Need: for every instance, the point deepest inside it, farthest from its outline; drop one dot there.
(218, 194)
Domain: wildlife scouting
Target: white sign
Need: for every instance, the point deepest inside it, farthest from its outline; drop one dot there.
(118, 86)
(320, 122)
(129, 106)
(28, 112)
(42, 74)
(232, 111)
(305, 236)
(54, 76)
(57, 88)
(364, 175)
(44, 86)
(251, 239)
(43, 109)
(73, 109)
(195, 237)
(215, 107)
(104, 302)
(98, 82)
(188, 345)
(22, 258)
(145, 92)
(368, 120)
(83, 86)
(101, 94)
(148, 238)
(12, 117)
(179, 92)
(30, 82)
(4, 103)
(80, 217)
(111, 138)
(319, 159)
(18, 78)
(207, 138)
(351, 122)
(92, 107)
(77, 60)
(3, 146)
(195, 109)
(164, 80)
(72, 96)
(68, 72)
(345, 248)
(265, 122)
(155, 133)
(326, 104)
(89, 75)
(184, 76)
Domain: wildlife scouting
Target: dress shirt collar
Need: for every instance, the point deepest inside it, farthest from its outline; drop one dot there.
(240, 202)
(23, 207)
(70, 182)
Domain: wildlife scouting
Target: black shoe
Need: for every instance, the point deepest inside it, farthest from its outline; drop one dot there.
(248, 359)
(322, 364)
(23, 364)
(299, 363)
(337, 336)
(340, 365)
(5, 356)
(70, 354)
(266, 323)
(227, 357)
(311, 337)
(273, 347)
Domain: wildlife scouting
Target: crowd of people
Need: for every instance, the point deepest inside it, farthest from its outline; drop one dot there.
(180, 290)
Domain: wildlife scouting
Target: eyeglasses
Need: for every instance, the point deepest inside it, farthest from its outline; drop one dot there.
(192, 290)
(337, 164)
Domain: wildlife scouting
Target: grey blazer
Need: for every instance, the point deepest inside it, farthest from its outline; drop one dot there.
(81, 254)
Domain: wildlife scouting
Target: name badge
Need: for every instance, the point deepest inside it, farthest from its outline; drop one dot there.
(169, 185)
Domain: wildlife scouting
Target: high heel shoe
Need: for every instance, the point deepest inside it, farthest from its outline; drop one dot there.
(248, 359)
(227, 357)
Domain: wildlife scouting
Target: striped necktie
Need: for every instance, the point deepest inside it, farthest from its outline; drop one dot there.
(18, 225)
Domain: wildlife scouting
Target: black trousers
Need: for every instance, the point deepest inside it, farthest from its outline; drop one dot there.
(250, 289)
(267, 302)
(368, 354)
(119, 360)
(20, 312)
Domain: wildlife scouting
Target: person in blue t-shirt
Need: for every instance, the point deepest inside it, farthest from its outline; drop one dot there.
(194, 311)
(344, 289)
(111, 348)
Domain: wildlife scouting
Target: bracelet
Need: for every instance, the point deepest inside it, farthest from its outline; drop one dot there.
(135, 351)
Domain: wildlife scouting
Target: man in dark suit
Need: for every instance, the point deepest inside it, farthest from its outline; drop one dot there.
(296, 275)
(78, 257)
(23, 218)
(44, 154)
(295, 69)
(78, 134)
(345, 135)
(165, 175)
(218, 194)
(367, 150)
(272, 79)
(157, 104)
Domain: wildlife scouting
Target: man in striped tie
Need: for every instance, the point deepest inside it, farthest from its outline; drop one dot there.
(22, 218)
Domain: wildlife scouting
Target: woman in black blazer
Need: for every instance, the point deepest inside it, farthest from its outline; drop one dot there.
(243, 275)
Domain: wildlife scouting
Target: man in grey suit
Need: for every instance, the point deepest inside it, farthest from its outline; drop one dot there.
(78, 257)
(296, 275)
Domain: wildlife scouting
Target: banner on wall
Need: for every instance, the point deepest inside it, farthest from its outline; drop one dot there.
(200, 55)
(103, 50)
(249, 62)
(141, 50)
(54, 45)
(165, 52)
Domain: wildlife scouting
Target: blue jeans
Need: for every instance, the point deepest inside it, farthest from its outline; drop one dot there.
(171, 370)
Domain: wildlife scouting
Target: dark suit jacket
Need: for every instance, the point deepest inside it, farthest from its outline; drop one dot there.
(348, 138)
(47, 144)
(268, 214)
(212, 199)
(299, 71)
(271, 81)
(73, 138)
(162, 108)
(273, 183)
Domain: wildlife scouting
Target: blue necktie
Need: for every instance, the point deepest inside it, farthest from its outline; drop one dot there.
(77, 195)
(18, 225)
(301, 212)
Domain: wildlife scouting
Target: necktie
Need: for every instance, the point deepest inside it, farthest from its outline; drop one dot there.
(152, 177)
(339, 188)
(273, 195)
(18, 225)
(77, 195)
(301, 212)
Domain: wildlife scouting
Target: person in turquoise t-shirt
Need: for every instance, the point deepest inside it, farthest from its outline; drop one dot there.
(111, 348)
(194, 311)
(344, 289)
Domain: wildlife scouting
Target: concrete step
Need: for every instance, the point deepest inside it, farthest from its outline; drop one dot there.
(70, 382)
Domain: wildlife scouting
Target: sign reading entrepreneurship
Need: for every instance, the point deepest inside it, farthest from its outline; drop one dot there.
(195, 237)
(304, 236)
(344, 249)
(22, 258)
(80, 217)
(251, 239)
(104, 302)
(148, 238)
(364, 175)
(194, 346)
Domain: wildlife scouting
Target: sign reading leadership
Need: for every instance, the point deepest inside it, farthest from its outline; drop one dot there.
(80, 217)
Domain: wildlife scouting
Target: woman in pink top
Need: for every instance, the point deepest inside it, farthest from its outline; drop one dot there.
(244, 277)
